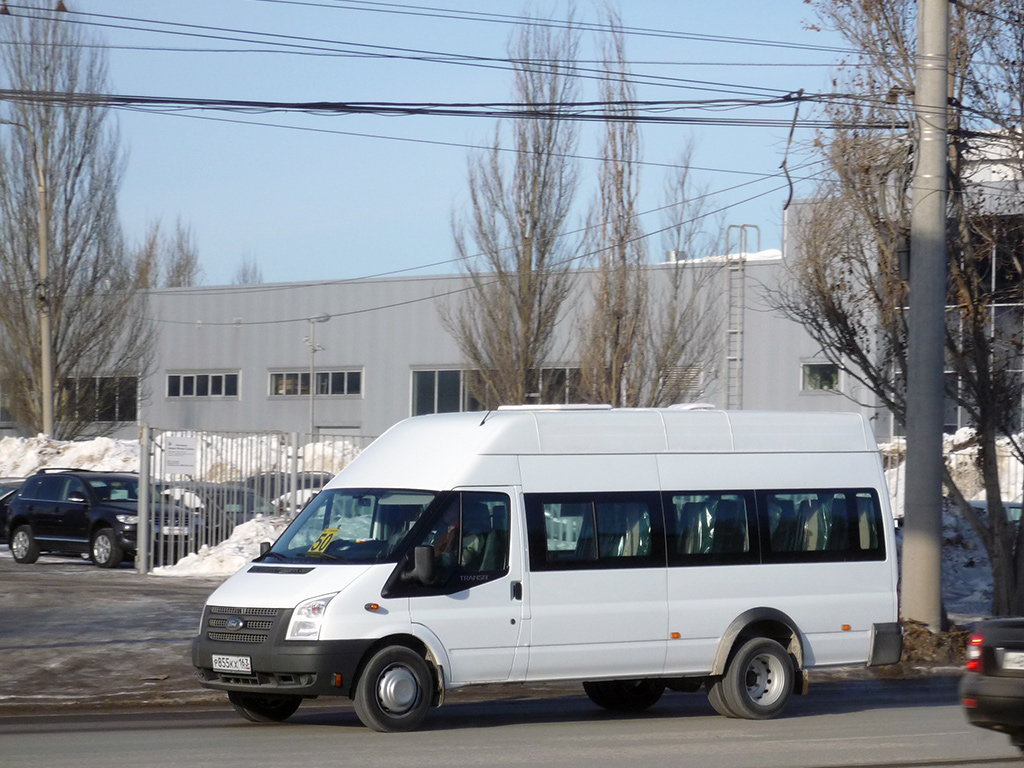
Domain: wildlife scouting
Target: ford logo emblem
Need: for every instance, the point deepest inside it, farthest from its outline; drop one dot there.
(234, 624)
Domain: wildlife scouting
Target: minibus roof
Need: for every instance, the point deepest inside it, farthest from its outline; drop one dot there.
(441, 446)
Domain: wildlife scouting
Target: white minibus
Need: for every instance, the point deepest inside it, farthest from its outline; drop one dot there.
(634, 550)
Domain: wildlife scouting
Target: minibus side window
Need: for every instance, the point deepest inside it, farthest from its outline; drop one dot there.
(470, 539)
(599, 530)
(712, 527)
(821, 525)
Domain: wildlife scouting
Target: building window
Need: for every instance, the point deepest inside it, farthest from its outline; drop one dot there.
(561, 386)
(444, 391)
(820, 377)
(202, 385)
(102, 398)
(289, 383)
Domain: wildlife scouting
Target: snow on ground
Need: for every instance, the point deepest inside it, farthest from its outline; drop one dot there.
(966, 581)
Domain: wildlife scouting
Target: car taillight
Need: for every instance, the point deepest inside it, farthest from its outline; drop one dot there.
(974, 653)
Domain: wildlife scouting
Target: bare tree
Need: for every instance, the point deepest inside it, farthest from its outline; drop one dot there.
(652, 334)
(248, 272)
(513, 247)
(613, 334)
(68, 156)
(168, 262)
(181, 265)
(848, 284)
(686, 316)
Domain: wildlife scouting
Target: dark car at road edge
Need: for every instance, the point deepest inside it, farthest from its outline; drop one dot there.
(992, 690)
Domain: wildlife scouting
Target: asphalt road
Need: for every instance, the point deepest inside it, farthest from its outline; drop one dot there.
(898, 723)
(94, 671)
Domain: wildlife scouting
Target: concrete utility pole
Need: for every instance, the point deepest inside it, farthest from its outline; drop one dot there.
(43, 299)
(922, 537)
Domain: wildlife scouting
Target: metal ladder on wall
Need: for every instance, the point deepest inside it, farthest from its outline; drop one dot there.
(735, 261)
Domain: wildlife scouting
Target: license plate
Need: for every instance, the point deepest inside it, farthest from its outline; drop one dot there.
(223, 663)
(172, 530)
(1013, 660)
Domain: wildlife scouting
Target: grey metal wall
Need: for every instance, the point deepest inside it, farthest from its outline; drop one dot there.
(384, 328)
(387, 328)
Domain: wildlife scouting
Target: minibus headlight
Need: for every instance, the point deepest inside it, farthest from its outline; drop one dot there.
(307, 618)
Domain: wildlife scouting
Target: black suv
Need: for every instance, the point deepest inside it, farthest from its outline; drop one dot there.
(72, 510)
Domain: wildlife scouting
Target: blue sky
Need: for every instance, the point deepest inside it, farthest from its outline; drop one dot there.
(322, 204)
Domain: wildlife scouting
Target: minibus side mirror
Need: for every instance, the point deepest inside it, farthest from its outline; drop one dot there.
(264, 548)
(423, 564)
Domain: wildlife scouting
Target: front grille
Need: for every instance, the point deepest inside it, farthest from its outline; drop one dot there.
(237, 637)
(253, 630)
(251, 624)
(245, 611)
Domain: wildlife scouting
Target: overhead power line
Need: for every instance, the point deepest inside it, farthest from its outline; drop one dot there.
(591, 111)
(520, 20)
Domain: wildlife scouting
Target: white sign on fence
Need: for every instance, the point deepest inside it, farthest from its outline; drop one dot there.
(180, 455)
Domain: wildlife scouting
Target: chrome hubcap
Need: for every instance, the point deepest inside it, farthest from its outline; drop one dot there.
(397, 690)
(764, 679)
(101, 549)
(20, 544)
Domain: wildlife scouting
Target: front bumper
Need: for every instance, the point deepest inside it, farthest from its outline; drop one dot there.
(298, 668)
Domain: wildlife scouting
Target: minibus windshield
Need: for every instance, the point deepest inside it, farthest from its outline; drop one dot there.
(346, 525)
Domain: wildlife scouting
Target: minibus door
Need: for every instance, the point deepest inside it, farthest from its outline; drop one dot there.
(475, 607)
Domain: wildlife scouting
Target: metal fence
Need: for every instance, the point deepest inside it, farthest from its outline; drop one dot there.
(196, 487)
(962, 462)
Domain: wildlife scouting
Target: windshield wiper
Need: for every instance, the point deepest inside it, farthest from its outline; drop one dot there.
(271, 553)
(320, 555)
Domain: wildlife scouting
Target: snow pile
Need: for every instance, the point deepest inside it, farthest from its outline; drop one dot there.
(966, 572)
(230, 555)
(218, 458)
(222, 458)
(23, 456)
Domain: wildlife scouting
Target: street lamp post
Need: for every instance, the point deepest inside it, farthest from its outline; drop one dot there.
(43, 286)
(310, 342)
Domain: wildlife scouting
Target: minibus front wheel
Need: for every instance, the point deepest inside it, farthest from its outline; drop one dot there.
(758, 681)
(394, 691)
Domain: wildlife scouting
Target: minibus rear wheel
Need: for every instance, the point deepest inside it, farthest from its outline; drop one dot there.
(264, 708)
(759, 680)
(624, 695)
(394, 691)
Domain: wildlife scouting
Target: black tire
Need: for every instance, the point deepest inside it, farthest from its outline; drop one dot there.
(395, 690)
(759, 680)
(624, 695)
(23, 545)
(104, 549)
(717, 698)
(260, 708)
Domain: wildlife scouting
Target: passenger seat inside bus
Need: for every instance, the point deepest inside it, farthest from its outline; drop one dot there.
(730, 531)
(787, 529)
(484, 537)
(815, 526)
